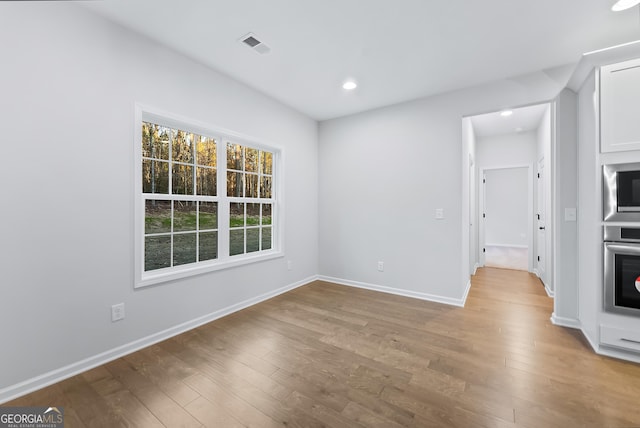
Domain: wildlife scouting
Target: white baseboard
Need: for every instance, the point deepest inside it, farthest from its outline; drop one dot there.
(620, 354)
(592, 342)
(549, 292)
(607, 351)
(506, 246)
(565, 322)
(475, 269)
(400, 292)
(466, 293)
(14, 391)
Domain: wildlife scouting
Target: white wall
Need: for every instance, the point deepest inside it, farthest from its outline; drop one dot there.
(507, 207)
(507, 150)
(385, 172)
(565, 196)
(68, 84)
(590, 209)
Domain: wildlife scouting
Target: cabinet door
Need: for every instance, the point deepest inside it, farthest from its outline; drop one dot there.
(620, 106)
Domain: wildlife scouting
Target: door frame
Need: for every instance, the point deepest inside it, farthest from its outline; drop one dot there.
(480, 215)
(541, 165)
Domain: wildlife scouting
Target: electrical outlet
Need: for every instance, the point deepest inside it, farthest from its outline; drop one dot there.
(380, 266)
(117, 312)
(289, 264)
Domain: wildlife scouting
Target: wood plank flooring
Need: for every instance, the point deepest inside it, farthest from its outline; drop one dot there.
(326, 355)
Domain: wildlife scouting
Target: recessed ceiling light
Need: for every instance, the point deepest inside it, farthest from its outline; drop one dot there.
(507, 113)
(624, 5)
(350, 85)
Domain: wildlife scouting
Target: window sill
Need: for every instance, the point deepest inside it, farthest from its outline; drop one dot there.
(172, 274)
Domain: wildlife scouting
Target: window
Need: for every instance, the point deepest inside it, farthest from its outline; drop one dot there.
(206, 200)
(249, 178)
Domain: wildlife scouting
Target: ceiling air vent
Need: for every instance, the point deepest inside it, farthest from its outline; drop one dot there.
(254, 43)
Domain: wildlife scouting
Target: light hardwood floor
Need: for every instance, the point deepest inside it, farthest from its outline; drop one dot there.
(329, 355)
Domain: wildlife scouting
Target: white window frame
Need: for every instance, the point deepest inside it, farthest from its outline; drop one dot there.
(224, 261)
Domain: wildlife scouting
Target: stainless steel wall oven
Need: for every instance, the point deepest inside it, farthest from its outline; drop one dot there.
(622, 269)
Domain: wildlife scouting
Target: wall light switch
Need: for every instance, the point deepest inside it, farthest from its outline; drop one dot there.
(439, 213)
(570, 214)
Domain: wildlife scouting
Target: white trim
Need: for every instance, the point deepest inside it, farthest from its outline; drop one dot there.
(184, 271)
(475, 269)
(548, 290)
(565, 322)
(620, 354)
(14, 391)
(465, 294)
(593, 343)
(506, 246)
(224, 260)
(398, 291)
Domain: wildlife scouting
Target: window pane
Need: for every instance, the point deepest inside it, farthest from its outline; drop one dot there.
(234, 184)
(206, 154)
(157, 252)
(234, 156)
(266, 163)
(155, 177)
(182, 179)
(236, 214)
(182, 146)
(250, 160)
(253, 214)
(236, 242)
(184, 249)
(208, 246)
(265, 187)
(208, 215)
(251, 185)
(206, 181)
(155, 141)
(253, 240)
(266, 213)
(157, 216)
(266, 238)
(184, 215)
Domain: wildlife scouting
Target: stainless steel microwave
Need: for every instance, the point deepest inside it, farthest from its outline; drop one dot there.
(621, 192)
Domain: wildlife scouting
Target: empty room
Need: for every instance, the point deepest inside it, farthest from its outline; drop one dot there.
(320, 214)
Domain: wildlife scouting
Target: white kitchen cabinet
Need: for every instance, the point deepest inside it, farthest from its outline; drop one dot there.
(620, 106)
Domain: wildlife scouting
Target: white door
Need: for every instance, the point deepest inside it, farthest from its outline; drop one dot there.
(541, 243)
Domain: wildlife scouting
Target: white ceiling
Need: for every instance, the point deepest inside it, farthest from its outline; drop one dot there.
(523, 119)
(397, 50)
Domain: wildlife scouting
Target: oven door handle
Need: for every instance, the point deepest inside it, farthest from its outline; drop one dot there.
(623, 248)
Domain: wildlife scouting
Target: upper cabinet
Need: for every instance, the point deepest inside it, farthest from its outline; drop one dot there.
(620, 106)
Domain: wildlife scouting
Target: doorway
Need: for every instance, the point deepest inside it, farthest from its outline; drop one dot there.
(502, 143)
(507, 215)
